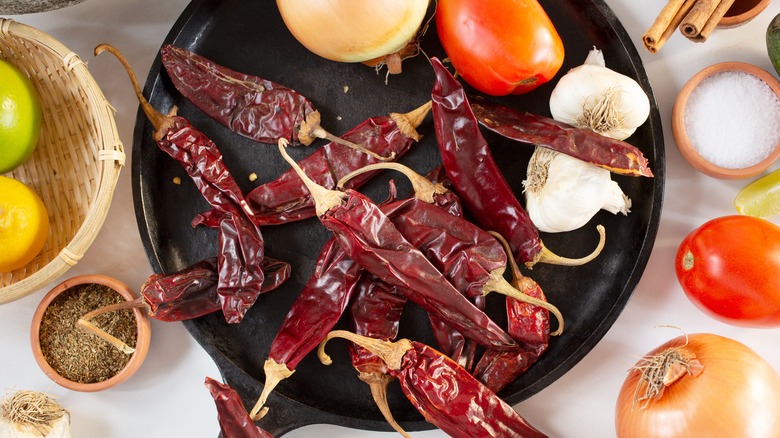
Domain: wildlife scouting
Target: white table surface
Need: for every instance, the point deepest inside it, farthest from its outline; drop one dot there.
(166, 398)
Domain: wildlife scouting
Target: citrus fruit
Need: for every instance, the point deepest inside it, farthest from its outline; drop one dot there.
(761, 198)
(20, 117)
(24, 224)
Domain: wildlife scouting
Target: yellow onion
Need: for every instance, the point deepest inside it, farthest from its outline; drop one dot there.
(354, 30)
(700, 385)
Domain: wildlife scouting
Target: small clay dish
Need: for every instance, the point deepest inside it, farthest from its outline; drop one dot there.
(683, 141)
(741, 12)
(76, 359)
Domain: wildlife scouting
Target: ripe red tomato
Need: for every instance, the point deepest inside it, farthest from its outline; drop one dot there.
(499, 47)
(730, 268)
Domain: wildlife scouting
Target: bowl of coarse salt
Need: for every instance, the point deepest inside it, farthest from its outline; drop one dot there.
(726, 120)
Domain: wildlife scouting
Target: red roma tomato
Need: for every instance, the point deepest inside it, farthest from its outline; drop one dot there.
(730, 268)
(499, 47)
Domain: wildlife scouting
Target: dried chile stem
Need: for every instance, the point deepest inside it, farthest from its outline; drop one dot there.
(549, 257)
(158, 120)
(274, 373)
(378, 382)
(497, 283)
(86, 326)
(390, 352)
(424, 190)
(324, 199)
(311, 129)
(407, 123)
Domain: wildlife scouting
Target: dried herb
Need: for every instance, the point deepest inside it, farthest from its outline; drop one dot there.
(79, 356)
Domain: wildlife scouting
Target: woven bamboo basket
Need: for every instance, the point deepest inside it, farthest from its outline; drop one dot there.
(77, 162)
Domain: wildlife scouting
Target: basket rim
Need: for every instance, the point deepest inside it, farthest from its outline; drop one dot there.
(111, 155)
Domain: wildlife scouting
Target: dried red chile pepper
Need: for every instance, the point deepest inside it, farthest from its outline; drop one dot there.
(470, 258)
(614, 155)
(473, 172)
(241, 248)
(443, 392)
(251, 106)
(317, 309)
(234, 422)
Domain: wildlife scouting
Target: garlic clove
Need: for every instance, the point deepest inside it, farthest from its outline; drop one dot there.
(615, 201)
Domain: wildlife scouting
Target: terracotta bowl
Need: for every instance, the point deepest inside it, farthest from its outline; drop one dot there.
(741, 12)
(681, 136)
(142, 342)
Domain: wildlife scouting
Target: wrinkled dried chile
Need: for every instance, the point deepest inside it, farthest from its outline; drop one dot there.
(313, 314)
(248, 105)
(614, 155)
(442, 391)
(474, 173)
(192, 292)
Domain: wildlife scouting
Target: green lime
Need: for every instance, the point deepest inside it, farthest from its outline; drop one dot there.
(20, 117)
(761, 198)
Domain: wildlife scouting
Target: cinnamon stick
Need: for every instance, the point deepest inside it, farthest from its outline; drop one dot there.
(697, 17)
(712, 21)
(666, 23)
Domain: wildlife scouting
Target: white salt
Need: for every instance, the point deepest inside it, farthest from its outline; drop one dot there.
(733, 119)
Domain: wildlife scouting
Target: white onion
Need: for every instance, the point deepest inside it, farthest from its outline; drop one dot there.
(353, 30)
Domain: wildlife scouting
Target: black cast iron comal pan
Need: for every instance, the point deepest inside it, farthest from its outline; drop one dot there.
(250, 37)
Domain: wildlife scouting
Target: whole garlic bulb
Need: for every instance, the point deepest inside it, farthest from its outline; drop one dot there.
(563, 193)
(592, 96)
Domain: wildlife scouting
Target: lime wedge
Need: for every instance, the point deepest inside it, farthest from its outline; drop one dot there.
(761, 198)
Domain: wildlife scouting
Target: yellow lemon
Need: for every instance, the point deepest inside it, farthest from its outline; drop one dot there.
(24, 224)
(761, 198)
(20, 117)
